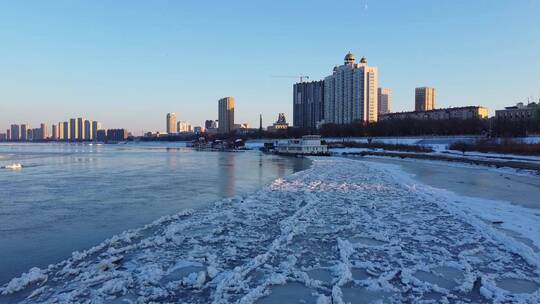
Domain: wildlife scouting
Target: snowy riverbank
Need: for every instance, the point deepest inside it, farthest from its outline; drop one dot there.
(339, 231)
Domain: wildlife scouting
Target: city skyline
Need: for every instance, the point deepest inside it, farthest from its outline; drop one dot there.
(107, 62)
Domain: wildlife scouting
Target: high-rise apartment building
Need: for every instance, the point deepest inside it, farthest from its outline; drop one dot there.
(424, 99)
(183, 126)
(24, 131)
(81, 135)
(60, 128)
(95, 127)
(54, 133)
(73, 129)
(171, 123)
(350, 93)
(226, 115)
(15, 132)
(88, 130)
(43, 132)
(384, 99)
(308, 104)
(29, 134)
(67, 130)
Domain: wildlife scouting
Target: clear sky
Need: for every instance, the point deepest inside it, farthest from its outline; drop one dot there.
(128, 63)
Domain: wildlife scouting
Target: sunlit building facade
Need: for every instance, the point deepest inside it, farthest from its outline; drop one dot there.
(171, 123)
(424, 99)
(226, 115)
(350, 93)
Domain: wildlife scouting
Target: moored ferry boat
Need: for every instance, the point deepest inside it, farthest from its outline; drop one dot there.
(307, 145)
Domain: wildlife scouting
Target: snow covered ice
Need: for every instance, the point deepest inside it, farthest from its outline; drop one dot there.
(343, 231)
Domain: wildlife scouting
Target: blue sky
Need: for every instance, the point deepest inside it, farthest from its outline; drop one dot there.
(128, 63)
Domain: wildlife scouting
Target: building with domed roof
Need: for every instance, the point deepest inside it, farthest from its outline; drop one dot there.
(350, 93)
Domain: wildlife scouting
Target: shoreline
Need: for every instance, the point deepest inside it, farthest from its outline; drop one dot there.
(515, 164)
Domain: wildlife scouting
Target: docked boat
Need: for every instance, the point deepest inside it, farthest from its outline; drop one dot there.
(307, 145)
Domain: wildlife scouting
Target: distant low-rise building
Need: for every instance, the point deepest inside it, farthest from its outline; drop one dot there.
(210, 124)
(3, 137)
(280, 125)
(519, 112)
(469, 112)
(117, 135)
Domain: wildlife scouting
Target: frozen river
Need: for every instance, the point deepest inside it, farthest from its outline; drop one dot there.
(473, 181)
(337, 232)
(72, 197)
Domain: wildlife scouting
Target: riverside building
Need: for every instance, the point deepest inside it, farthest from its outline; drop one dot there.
(183, 127)
(519, 112)
(469, 112)
(25, 128)
(67, 130)
(350, 93)
(81, 134)
(384, 98)
(88, 130)
(424, 99)
(308, 104)
(96, 125)
(226, 115)
(171, 123)
(15, 132)
(73, 129)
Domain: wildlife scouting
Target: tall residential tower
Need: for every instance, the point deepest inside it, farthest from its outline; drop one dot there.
(424, 99)
(350, 93)
(226, 115)
(385, 100)
(308, 104)
(171, 123)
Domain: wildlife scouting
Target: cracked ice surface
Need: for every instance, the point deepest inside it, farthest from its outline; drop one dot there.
(342, 231)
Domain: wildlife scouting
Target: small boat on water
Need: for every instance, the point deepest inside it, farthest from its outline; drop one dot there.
(13, 166)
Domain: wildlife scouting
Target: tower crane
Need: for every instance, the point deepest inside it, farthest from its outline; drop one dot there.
(301, 77)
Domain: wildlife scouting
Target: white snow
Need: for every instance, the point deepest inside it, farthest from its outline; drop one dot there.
(340, 231)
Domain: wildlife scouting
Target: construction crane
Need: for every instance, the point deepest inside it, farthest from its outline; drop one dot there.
(301, 77)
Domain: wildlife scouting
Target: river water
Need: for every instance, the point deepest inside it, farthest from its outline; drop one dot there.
(70, 197)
